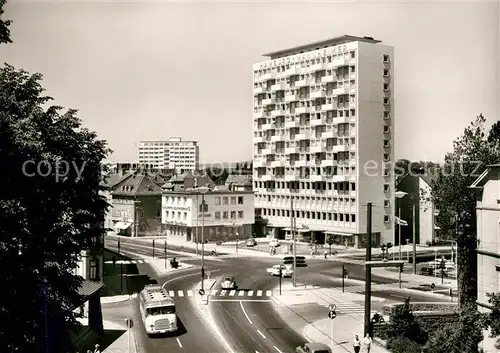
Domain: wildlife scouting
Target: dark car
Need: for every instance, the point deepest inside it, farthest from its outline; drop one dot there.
(313, 347)
(427, 271)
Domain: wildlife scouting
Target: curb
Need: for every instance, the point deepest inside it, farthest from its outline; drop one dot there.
(122, 300)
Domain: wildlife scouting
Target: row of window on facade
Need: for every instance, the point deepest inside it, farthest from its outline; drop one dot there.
(227, 214)
(341, 200)
(235, 200)
(324, 216)
(296, 185)
(327, 59)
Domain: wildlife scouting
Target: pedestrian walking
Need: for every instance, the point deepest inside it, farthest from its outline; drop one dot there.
(367, 342)
(326, 254)
(356, 344)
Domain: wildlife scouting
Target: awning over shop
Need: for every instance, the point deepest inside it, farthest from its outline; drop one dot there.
(340, 233)
(299, 230)
(399, 221)
(123, 225)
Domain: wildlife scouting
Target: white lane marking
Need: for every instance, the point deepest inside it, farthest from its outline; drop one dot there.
(261, 334)
(180, 293)
(183, 276)
(223, 292)
(179, 342)
(242, 300)
(190, 293)
(269, 293)
(250, 293)
(241, 293)
(214, 291)
(277, 349)
(246, 315)
(171, 293)
(232, 293)
(259, 293)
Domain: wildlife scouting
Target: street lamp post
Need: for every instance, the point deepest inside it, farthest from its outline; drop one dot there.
(399, 195)
(136, 217)
(202, 190)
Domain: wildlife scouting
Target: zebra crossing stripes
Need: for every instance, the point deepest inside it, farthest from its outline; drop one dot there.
(240, 293)
(127, 262)
(348, 308)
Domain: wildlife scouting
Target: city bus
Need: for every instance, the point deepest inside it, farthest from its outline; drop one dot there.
(157, 310)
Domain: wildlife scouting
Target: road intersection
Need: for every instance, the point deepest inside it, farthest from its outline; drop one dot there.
(246, 316)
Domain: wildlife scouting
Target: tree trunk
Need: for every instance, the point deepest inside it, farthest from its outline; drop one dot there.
(467, 269)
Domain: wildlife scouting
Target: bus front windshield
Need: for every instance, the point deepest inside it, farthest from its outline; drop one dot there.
(161, 310)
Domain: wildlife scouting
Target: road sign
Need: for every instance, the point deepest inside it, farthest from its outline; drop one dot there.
(332, 314)
(332, 307)
(129, 323)
(202, 292)
(433, 286)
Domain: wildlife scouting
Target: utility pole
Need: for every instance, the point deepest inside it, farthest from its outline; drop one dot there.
(414, 242)
(153, 248)
(368, 276)
(121, 267)
(281, 274)
(399, 229)
(197, 211)
(292, 229)
(202, 241)
(136, 220)
(165, 254)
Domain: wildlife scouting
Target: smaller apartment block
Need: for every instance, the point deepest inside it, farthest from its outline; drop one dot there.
(171, 154)
(487, 188)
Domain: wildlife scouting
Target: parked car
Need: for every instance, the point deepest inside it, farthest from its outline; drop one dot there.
(228, 283)
(427, 271)
(275, 271)
(274, 242)
(251, 242)
(313, 347)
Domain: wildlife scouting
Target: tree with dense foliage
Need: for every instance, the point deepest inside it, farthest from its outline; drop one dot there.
(459, 337)
(494, 135)
(4, 25)
(456, 202)
(402, 323)
(50, 210)
(493, 317)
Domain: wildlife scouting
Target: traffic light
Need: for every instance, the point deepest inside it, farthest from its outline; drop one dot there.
(401, 269)
(203, 272)
(301, 261)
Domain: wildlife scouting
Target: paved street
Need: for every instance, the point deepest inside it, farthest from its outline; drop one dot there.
(246, 316)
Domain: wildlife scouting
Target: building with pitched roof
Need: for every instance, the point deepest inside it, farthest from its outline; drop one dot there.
(236, 182)
(136, 205)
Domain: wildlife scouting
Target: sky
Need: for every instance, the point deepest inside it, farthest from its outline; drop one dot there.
(151, 70)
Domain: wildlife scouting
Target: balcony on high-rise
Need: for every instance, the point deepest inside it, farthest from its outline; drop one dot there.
(305, 135)
(278, 163)
(291, 150)
(291, 124)
(302, 110)
(329, 106)
(317, 67)
(291, 98)
(317, 94)
(328, 79)
(268, 101)
(342, 61)
(341, 90)
(318, 122)
(294, 71)
(259, 114)
(277, 112)
(329, 134)
(318, 148)
(279, 87)
(259, 139)
(303, 83)
(259, 90)
(277, 138)
(268, 76)
(341, 120)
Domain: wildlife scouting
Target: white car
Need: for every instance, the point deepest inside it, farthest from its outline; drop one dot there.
(275, 271)
(274, 242)
(228, 283)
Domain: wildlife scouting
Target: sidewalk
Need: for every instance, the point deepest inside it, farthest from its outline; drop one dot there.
(121, 345)
(306, 310)
(410, 277)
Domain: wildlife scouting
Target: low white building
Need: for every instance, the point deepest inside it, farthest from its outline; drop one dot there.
(227, 215)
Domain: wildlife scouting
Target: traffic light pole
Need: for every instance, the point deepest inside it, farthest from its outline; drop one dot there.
(121, 267)
(153, 248)
(281, 274)
(368, 276)
(415, 244)
(343, 277)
